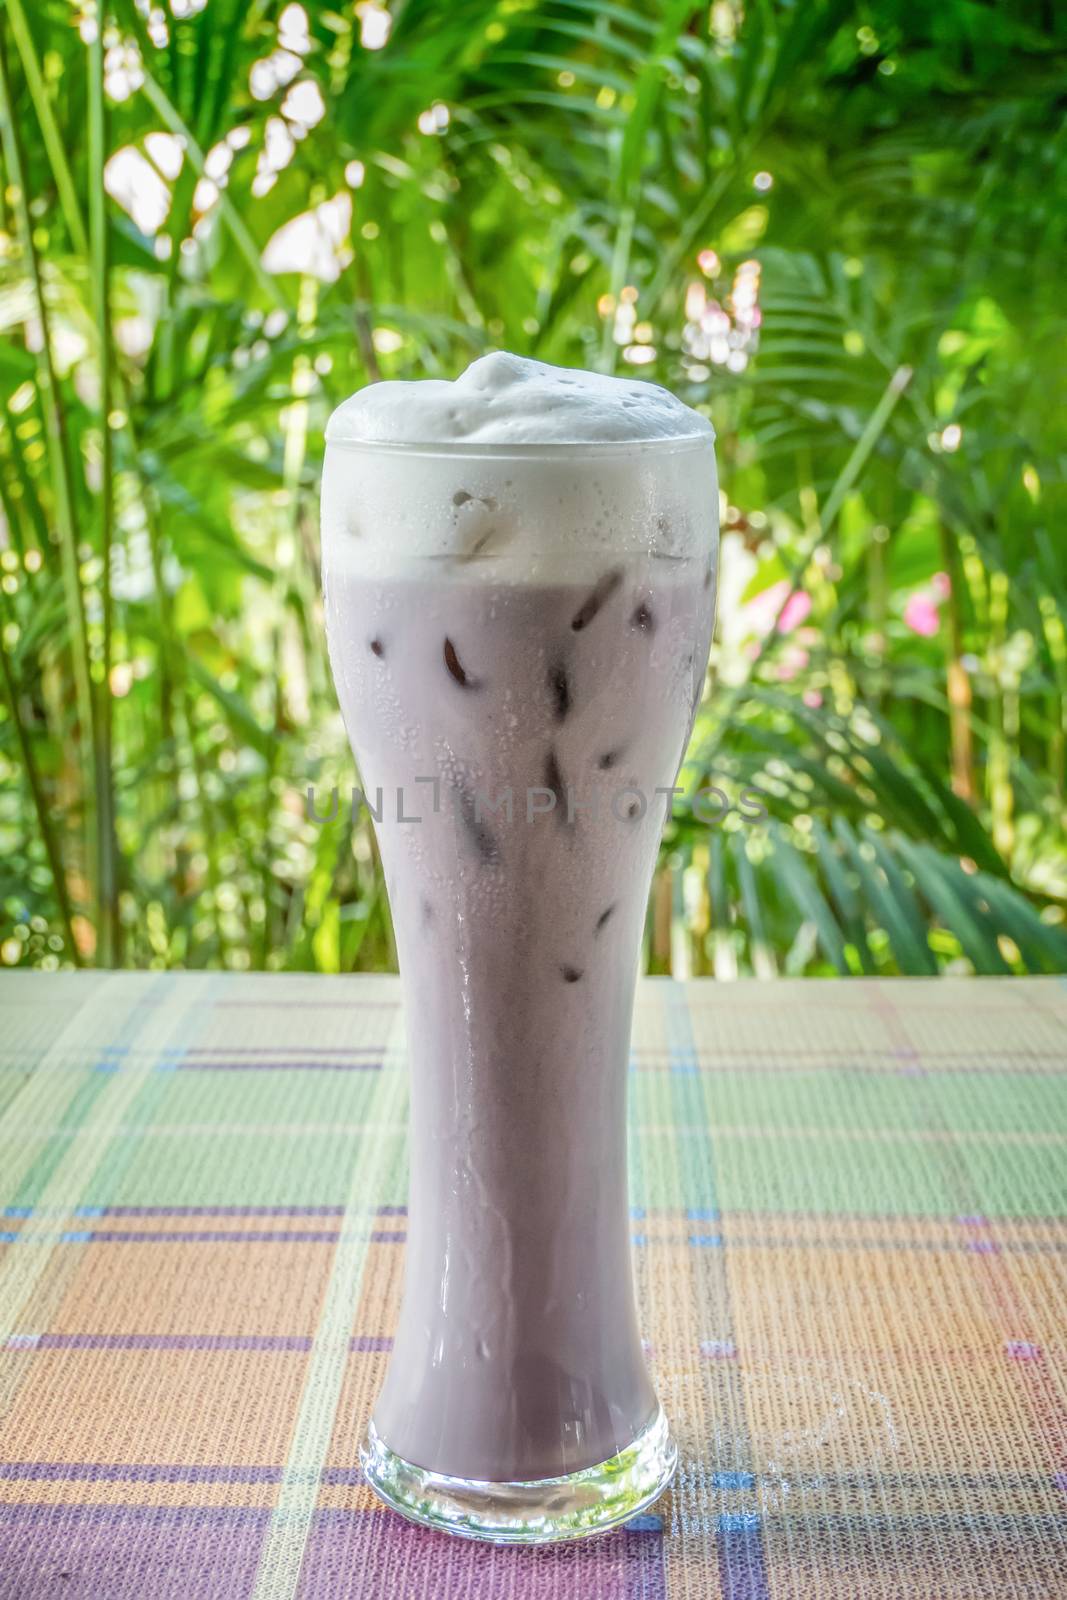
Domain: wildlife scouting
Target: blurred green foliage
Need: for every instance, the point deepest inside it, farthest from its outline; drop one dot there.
(836, 228)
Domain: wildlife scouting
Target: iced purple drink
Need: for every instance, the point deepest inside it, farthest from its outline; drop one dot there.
(519, 580)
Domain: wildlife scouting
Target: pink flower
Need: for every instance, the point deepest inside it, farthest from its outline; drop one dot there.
(764, 608)
(920, 615)
(795, 610)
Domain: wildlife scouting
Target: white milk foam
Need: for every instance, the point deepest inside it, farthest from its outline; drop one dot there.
(505, 399)
(516, 472)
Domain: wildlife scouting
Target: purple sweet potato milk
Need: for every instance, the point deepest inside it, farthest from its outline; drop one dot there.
(519, 631)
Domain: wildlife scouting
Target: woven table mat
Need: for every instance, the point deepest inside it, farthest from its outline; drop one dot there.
(850, 1229)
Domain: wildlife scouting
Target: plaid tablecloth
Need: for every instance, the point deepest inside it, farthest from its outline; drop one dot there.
(849, 1223)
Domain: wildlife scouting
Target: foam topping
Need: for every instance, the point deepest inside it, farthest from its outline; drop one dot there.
(506, 399)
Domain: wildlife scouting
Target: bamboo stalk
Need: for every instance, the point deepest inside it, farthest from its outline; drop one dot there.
(214, 882)
(958, 680)
(286, 565)
(999, 758)
(56, 428)
(51, 137)
(361, 312)
(40, 802)
(108, 922)
(14, 522)
(662, 914)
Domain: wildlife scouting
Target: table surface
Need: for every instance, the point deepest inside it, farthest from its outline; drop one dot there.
(850, 1226)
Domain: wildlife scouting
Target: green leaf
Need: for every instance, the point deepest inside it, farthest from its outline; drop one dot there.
(801, 884)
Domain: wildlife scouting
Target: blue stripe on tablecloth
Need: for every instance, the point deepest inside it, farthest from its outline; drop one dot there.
(739, 1543)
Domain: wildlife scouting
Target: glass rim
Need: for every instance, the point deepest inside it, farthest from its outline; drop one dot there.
(510, 450)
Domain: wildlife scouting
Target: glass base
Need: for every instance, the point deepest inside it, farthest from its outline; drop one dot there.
(538, 1512)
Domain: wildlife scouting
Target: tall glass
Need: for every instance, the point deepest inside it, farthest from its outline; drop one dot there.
(519, 636)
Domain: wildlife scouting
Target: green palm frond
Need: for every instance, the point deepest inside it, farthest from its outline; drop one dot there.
(889, 431)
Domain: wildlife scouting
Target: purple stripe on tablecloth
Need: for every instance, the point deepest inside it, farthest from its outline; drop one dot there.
(134, 1472)
(217, 1211)
(160, 1472)
(280, 1049)
(373, 1555)
(1019, 1247)
(361, 1342)
(271, 1236)
(213, 1236)
(40, 1513)
(173, 1341)
(130, 1552)
(687, 1213)
(212, 1553)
